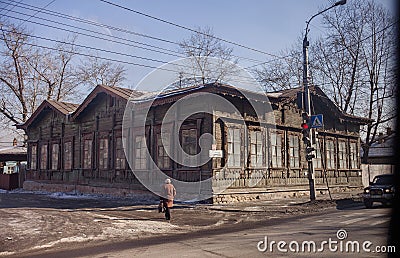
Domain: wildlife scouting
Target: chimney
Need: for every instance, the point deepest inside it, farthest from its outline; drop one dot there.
(388, 131)
(14, 142)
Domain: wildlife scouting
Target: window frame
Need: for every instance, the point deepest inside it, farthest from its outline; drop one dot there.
(163, 161)
(142, 151)
(33, 156)
(234, 159)
(120, 157)
(256, 148)
(55, 159)
(293, 149)
(44, 157)
(317, 161)
(190, 126)
(68, 153)
(85, 163)
(330, 160)
(274, 146)
(104, 152)
(354, 155)
(342, 154)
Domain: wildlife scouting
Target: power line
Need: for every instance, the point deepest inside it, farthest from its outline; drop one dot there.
(37, 12)
(189, 29)
(65, 16)
(108, 51)
(115, 60)
(93, 36)
(9, 3)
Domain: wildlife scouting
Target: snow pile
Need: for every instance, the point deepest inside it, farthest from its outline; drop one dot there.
(73, 195)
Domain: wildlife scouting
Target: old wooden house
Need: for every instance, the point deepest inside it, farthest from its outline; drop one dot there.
(84, 144)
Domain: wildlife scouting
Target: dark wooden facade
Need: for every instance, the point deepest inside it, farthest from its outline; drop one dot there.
(83, 143)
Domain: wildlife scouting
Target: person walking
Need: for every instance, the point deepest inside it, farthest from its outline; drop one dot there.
(168, 195)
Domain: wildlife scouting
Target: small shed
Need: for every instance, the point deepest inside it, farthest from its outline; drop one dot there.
(11, 160)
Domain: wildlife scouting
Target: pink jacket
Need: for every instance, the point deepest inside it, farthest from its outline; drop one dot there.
(169, 191)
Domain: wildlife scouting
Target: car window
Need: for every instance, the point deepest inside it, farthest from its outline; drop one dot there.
(383, 180)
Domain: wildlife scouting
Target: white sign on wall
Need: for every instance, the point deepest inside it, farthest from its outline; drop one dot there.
(215, 153)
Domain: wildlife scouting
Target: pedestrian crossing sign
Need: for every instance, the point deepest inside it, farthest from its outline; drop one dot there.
(317, 121)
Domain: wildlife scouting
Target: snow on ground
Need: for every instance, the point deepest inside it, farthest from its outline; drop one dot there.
(118, 229)
(35, 229)
(143, 199)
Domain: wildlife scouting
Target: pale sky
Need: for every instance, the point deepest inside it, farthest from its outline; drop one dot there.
(266, 25)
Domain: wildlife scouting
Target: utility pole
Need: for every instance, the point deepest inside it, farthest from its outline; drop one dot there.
(307, 129)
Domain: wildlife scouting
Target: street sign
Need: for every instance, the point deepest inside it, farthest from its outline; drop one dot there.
(317, 121)
(215, 153)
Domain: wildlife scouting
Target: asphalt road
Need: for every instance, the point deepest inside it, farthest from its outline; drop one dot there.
(333, 231)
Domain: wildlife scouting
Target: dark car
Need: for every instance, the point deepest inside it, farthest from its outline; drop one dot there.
(381, 189)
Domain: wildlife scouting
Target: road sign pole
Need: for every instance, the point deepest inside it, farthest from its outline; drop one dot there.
(307, 106)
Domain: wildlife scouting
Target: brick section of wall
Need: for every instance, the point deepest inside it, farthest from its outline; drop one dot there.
(278, 194)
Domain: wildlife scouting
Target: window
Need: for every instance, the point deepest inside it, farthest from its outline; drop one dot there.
(330, 154)
(317, 161)
(276, 150)
(294, 151)
(163, 144)
(189, 145)
(43, 157)
(120, 159)
(140, 152)
(342, 154)
(67, 155)
(234, 145)
(256, 155)
(33, 158)
(354, 155)
(55, 152)
(87, 153)
(103, 153)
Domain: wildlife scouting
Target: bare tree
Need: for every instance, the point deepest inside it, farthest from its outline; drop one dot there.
(209, 59)
(16, 74)
(354, 63)
(282, 73)
(30, 74)
(93, 71)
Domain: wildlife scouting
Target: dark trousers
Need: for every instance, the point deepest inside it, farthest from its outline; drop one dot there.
(167, 210)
